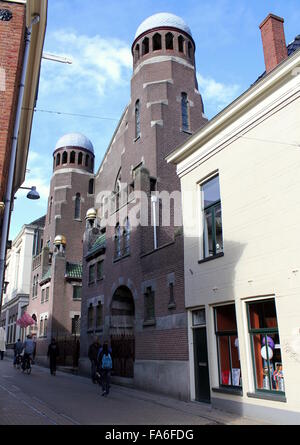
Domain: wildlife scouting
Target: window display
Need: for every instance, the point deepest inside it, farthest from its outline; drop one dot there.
(228, 346)
(265, 346)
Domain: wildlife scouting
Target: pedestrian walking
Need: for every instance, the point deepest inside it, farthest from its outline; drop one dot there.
(2, 343)
(18, 348)
(93, 356)
(106, 367)
(53, 353)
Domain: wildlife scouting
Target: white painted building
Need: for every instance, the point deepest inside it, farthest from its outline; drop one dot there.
(17, 277)
(240, 178)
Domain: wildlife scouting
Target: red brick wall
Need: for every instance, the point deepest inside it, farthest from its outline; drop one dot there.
(274, 44)
(11, 57)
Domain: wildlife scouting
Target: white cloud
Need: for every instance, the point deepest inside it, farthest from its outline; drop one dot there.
(216, 95)
(99, 64)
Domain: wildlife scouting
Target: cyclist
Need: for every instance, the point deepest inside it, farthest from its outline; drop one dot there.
(18, 348)
(29, 350)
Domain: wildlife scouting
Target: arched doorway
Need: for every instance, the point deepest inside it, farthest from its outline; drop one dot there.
(122, 332)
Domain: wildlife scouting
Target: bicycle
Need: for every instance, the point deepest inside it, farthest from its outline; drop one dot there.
(27, 364)
(18, 364)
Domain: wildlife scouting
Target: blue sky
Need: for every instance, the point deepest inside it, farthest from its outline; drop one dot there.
(97, 36)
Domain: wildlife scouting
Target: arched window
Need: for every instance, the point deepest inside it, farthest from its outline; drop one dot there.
(137, 52)
(169, 40)
(92, 163)
(145, 46)
(90, 316)
(180, 44)
(126, 237)
(77, 206)
(87, 160)
(137, 119)
(65, 157)
(156, 42)
(190, 50)
(185, 112)
(91, 186)
(80, 159)
(117, 241)
(58, 160)
(72, 157)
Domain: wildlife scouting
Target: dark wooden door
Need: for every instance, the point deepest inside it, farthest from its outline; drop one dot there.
(202, 388)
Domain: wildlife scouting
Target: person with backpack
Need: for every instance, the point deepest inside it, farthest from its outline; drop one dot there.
(106, 367)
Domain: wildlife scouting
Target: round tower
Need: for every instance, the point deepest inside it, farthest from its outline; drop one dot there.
(74, 150)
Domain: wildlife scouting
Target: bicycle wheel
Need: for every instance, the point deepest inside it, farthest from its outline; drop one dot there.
(28, 370)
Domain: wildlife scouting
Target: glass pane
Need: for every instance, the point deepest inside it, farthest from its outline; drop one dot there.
(268, 363)
(224, 360)
(225, 318)
(235, 361)
(199, 317)
(218, 226)
(211, 191)
(208, 234)
(263, 314)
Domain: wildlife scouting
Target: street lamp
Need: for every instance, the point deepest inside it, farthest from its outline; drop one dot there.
(33, 194)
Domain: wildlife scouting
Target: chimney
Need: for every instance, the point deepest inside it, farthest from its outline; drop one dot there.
(273, 39)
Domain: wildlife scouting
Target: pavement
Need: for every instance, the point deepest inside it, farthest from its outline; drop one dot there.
(66, 399)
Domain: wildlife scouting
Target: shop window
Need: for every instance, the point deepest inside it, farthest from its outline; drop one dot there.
(228, 346)
(99, 315)
(90, 324)
(156, 42)
(212, 237)
(266, 349)
(145, 46)
(169, 40)
(149, 305)
(185, 112)
(92, 274)
(76, 325)
(77, 292)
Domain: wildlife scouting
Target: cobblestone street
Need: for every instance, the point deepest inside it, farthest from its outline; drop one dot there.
(39, 399)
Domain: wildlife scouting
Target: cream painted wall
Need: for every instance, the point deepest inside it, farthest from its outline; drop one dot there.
(259, 171)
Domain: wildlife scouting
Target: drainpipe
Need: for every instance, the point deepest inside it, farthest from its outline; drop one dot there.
(9, 190)
(154, 201)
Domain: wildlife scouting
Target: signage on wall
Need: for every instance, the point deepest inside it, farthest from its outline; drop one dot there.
(5, 15)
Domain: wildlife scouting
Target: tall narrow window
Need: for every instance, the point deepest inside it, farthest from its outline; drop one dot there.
(76, 325)
(212, 237)
(190, 50)
(126, 237)
(72, 157)
(87, 160)
(91, 186)
(149, 308)
(169, 40)
(156, 42)
(185, 112)
(90, 317)
(99, 315)
(180, 44)
(77, 292)
(99, 270)
(47, 294)
(228, 346)
(137, 52)
(43, 296)
(58, 160)
(92, 269)
(80, 156)
(145, 46)
(77, 206)
(117, 241)
(41, 327)
(50, 209)
(266, 349)
(65, 157)
(46, 326)
(137, 119)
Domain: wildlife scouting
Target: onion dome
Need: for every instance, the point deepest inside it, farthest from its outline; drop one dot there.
(91, 214)
(60, 239)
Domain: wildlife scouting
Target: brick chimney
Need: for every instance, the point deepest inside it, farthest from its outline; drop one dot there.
(273, 39)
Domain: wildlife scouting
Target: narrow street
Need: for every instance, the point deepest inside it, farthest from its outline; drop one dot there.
(40, 399)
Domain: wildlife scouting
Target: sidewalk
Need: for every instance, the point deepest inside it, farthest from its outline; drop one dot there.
(21, 403)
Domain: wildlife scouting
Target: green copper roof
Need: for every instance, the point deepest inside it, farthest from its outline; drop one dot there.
(74, 271)
(99, 244)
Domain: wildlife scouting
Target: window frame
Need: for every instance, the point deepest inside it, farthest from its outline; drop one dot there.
(228, 334)
(149, 292)
(262, 331)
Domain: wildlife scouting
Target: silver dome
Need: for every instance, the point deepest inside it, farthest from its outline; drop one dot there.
(75, 140)
(160, 20)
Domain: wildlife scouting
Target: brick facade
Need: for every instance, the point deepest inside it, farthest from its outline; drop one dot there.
(12, 33)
